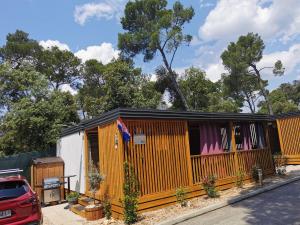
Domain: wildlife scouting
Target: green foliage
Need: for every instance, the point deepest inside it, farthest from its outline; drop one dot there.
(20, 49)
(73, 196)
(59, 66)
(117, 84)
(242, 58)
(196, 88)
(181, 196)
(16, 84)
(131, 194)
(150, 28)
(242, 87)
(292, 91)
(95, 178)
(107, 207)
(35, 124)
(254, 173)
(240, 179)
(281, 103)
(202, 94)
(209, 186)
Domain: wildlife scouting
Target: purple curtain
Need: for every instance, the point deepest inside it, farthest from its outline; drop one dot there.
(210, 139)
(260, 136)
(246, 134)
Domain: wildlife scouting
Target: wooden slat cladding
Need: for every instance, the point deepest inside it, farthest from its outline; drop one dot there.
(289, 137)
(162, 163)
(260, 157)
(111, 161)
(220, 165)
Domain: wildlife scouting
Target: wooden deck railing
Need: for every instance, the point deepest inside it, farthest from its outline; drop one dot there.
(260, 157)
(220, 165)
(223, 165)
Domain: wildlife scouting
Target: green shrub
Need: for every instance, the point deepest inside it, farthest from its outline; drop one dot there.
(209, 186)
(181, 196)
(131, 194)
(254, 173)
(107, 208)
(72, 196)
(240, 178)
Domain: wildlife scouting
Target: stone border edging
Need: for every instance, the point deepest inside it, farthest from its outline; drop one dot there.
(228, 202)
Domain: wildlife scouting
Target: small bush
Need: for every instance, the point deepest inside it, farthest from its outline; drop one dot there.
(107, 208)
(254, 173)
(131, 194)
(209, 186)
(72, 196)
(240, 179)
(181, 196)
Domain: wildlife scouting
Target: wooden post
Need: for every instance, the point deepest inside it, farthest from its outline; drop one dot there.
(189, 164)
(280, 137)
(233, 146)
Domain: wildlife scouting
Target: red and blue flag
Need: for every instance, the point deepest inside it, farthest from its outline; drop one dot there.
(123, 129)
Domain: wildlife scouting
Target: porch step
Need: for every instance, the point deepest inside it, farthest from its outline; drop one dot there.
(85, 201)
(79, 210)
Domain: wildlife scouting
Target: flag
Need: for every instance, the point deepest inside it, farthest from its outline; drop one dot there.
(123, 129)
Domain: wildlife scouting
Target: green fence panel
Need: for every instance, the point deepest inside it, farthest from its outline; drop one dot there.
(24, 160)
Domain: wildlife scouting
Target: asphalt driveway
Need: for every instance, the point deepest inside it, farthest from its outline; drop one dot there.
(280, 206)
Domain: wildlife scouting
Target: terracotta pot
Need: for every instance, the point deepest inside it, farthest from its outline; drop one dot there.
(94, 213)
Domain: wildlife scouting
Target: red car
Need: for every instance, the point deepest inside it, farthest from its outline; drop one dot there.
(19, 204)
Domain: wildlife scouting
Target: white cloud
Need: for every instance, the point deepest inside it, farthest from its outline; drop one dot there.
(290, 59)
(214, 71)
(108, 9)
(231, 18)
(51, 43)
(103, 53)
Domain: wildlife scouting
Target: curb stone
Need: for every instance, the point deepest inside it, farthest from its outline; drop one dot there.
(233, 200)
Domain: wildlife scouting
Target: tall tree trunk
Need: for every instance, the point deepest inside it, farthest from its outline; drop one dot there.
(174, 81)
(250, 102)
(263, 90)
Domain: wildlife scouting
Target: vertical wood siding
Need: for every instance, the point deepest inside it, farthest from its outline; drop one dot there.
(162, 163)
(111, 162)
(39, 172)
(289, 137)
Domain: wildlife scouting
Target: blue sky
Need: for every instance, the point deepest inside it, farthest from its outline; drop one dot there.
(90, 30)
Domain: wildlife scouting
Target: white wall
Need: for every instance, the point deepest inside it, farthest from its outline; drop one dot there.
(71, 149)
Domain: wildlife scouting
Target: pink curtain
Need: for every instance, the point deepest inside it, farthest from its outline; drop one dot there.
(210, 139)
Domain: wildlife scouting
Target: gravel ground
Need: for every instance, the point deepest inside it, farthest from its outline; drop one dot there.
(153, 217)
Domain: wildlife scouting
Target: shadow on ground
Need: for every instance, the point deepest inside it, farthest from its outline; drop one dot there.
(279, 206)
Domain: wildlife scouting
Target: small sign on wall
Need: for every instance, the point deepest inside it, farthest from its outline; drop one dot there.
(139, 139)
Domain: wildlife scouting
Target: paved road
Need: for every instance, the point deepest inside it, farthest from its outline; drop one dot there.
(280, 206)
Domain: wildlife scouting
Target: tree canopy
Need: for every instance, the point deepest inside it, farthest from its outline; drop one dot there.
(244, 55)
(117, 84)
(151, 27)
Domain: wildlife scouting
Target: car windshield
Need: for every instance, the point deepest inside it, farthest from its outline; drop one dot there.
(12, 189)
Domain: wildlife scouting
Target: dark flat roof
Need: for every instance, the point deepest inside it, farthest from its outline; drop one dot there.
(130, 113)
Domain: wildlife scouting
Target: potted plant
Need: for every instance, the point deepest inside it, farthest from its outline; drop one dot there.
(72, 198)
(94, 211)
